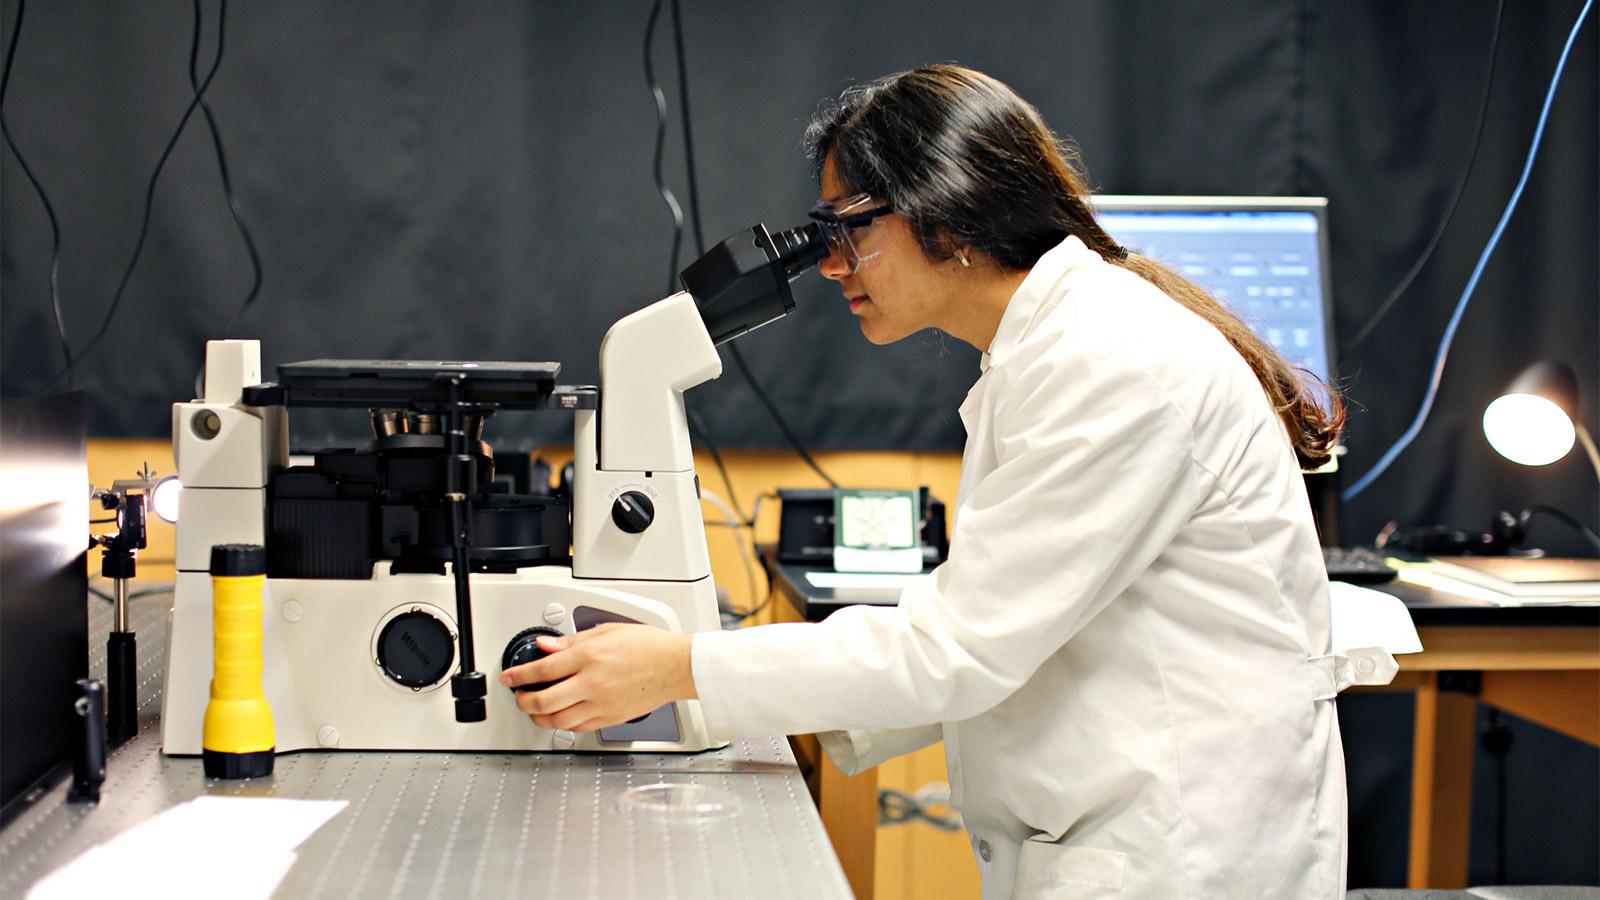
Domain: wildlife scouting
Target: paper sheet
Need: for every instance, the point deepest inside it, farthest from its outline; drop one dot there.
(1422, 576)
(1363, 617)
(837, 580)
(236, 847)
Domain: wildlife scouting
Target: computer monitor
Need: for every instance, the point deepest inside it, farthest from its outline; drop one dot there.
(1264, 257)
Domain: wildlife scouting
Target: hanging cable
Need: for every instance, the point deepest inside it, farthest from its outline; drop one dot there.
(667, 196)
(1410, 434)
(49, 210)
(688, 130)
(698, 427)
(694, 207)
(222, 168)
(1450, 208)
(735, 517)
(150, 192)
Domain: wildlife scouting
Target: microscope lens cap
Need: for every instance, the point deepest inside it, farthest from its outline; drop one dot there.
(236, 560)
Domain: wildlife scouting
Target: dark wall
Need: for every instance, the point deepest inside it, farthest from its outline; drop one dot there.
(428, 179)
(473, 180)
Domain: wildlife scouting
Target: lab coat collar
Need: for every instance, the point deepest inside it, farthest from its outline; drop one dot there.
(1040, 285)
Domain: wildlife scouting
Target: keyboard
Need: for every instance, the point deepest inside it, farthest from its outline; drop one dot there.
(1359, 565)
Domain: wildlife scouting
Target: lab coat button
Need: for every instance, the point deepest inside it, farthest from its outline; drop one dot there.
(1365, 665)
(985, 851)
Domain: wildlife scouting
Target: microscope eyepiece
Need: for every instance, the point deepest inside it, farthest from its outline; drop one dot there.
(743, 282)
(800, 248)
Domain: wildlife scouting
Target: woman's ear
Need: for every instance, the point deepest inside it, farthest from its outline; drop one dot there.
(953, 249)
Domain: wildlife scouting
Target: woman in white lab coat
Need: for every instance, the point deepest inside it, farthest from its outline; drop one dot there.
(1127, 653)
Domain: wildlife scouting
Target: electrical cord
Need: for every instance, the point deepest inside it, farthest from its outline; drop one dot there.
(1450, 208)
(1566, 517)
(1496, 740)
(1411, 432)
(734, 615)
(777, 418)
(744, 557)
(222, 167)
(688, 133)
(49, 210)
(667, 196)
(700, 245)
(898, 808)
(698, 426)
(155, 176)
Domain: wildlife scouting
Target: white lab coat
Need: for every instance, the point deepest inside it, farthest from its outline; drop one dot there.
(1127, 653)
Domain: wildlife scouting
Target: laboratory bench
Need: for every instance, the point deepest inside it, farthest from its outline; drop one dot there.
(434, 824)
(1538, 662)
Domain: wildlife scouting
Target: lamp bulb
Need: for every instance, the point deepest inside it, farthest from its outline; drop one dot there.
(1528, 429)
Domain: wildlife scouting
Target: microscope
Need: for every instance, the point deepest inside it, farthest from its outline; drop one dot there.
(402, 578)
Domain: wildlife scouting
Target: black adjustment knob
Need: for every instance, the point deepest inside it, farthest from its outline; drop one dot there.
(524, 649)
(633, 512)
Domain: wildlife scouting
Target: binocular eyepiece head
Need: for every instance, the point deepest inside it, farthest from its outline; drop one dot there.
(743, 282)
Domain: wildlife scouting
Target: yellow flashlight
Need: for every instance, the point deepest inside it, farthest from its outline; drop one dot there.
(238, 740)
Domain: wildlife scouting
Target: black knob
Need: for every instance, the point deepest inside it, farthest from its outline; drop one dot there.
(633, 512)
(523, 649)
(469, 690)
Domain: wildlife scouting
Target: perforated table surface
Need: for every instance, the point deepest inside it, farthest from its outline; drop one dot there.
(464, 824)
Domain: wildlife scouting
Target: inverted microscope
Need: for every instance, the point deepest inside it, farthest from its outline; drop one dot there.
(402, 577)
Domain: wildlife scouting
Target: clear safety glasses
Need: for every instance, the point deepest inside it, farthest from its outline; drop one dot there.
(844, 222)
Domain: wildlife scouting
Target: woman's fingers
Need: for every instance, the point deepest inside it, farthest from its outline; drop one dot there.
(550, 700)
(554, 667)
(603, 676)
(578, 717)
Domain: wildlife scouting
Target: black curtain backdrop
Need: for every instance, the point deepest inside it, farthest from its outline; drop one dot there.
(430, 179)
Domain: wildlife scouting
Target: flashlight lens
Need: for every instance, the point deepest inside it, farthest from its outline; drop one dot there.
(164, 498)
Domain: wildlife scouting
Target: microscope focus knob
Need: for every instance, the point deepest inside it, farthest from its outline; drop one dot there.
(523, 649)
(633, 512)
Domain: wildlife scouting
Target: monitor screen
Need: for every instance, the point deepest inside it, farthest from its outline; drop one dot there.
(1264, 257)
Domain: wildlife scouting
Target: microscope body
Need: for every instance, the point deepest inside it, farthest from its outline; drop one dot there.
(364, 663)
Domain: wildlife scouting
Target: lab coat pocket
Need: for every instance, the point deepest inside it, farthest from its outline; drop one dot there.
(1048, 869)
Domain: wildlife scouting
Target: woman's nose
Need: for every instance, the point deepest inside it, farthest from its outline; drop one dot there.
(834, 266)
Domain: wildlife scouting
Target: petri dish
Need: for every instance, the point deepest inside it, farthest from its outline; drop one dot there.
(677, 802)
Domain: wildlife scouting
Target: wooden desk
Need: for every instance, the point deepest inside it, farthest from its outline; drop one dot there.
(910, 859)
(1539, 663)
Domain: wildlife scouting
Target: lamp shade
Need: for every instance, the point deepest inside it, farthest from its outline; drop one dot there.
(1532, 421)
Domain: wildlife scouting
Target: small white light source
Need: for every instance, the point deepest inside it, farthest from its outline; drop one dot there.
(164, 498)
(1528, 429)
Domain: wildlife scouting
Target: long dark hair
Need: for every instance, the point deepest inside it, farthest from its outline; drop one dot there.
(969, 163)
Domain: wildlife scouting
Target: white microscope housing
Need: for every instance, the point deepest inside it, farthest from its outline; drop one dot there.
(362, 661)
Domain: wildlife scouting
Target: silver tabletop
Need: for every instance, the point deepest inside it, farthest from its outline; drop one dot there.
(460, 824)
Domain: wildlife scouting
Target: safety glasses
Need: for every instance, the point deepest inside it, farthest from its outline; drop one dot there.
(844, 222)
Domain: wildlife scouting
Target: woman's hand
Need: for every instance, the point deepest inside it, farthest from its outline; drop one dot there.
(607, 675)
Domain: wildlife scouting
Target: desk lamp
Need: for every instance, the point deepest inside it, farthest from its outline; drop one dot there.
(1535, 420)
